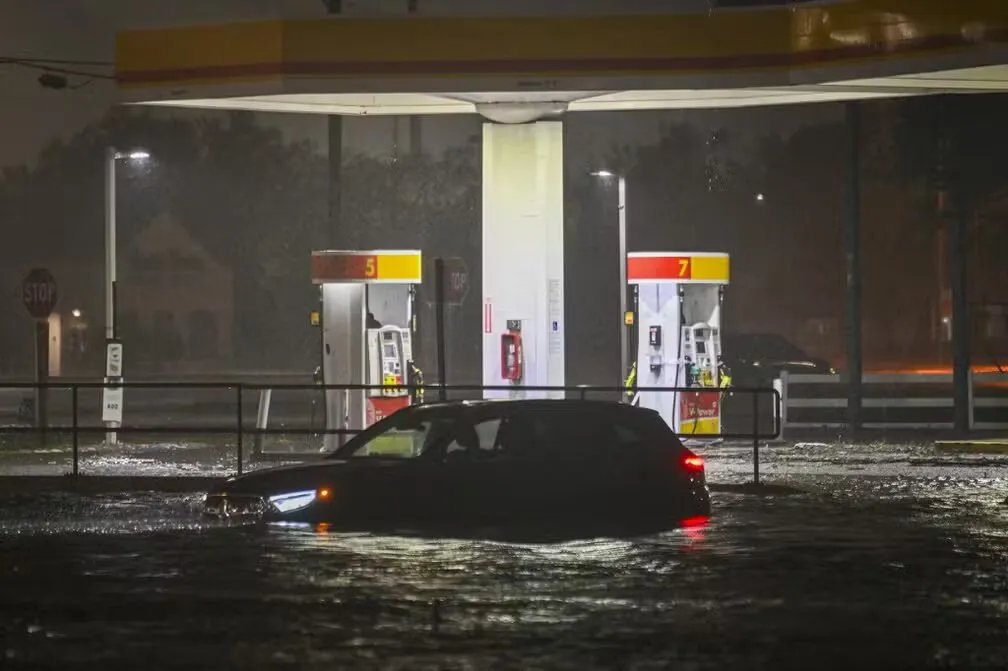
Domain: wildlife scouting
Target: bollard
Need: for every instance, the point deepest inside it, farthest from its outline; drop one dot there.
(262, 420)
(755, 438)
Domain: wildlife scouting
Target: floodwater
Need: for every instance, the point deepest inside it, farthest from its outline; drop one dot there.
(893, 559)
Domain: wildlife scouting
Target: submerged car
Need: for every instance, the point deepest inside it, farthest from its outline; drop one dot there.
(469, 465)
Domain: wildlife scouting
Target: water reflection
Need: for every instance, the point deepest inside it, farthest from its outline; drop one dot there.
(869, 569)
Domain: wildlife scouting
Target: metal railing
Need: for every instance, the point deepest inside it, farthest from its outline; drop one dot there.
(231, 398)
(921, 401)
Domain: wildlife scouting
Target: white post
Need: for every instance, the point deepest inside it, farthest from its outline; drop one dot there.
(783, 382)
(624, 336)
(262, 418)
(110, 263)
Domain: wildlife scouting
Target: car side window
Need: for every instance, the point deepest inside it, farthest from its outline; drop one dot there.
(483, 438)
(627, 434)
(571, 433)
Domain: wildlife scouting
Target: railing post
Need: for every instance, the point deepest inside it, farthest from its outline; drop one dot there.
(240, 427)
(755, 438)
(75, 430)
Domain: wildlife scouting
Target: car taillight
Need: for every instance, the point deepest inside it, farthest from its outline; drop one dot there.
(692, 463)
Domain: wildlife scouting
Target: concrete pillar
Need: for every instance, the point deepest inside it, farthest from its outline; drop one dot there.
(523, 251)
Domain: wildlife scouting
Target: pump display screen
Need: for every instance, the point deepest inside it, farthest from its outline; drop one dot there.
(701, 347)
(390, 351)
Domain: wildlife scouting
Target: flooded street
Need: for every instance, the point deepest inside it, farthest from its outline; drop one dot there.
(893, 559)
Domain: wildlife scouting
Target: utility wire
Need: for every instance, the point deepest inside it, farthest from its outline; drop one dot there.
(54, 69)
(57, 61)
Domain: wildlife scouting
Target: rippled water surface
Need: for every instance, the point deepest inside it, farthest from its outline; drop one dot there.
(893, 559)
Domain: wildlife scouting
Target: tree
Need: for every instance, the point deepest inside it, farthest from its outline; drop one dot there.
(949, 151)
(255, 202)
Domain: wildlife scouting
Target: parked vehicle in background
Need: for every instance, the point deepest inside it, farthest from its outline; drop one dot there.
(757, 359)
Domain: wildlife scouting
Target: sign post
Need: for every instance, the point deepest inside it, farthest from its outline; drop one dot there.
(112, 392)
(456, 280)
(40, 294)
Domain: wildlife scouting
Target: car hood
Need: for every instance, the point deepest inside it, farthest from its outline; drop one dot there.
(795, 365)
(303, 476)
(800, 364)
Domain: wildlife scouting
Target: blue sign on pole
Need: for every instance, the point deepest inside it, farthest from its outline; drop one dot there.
(556, 326)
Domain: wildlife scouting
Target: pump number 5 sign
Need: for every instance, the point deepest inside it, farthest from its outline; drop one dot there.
(402, 266)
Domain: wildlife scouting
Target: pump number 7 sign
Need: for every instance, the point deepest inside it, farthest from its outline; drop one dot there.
(683, 267)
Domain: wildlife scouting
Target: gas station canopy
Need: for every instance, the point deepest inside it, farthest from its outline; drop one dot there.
(523, 68)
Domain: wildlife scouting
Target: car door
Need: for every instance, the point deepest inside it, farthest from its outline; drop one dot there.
(469, 480)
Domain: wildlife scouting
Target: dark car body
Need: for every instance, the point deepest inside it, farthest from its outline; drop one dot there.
(462, 466)
(757, 359)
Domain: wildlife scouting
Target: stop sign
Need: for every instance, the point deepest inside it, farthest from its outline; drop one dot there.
(38, 291)
(456, 280)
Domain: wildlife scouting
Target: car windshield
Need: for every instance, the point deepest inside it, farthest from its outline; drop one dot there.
(404, 435)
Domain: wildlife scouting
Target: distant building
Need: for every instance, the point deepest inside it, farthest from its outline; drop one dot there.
(176, 302)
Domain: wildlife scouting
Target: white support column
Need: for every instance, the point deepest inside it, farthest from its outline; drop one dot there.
(343, 357)
(523, 250)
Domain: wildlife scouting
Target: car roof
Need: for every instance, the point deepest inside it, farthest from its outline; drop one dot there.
(513, 405)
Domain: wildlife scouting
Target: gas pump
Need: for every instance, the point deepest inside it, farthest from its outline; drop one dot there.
(678, 298)
(389, 357)
(368, 328)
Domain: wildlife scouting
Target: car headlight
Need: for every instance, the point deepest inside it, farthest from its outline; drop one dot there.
(291, 501)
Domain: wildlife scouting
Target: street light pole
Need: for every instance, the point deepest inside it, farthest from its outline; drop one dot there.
(110, 242)
(624, 330)
(110, 264)
(113, 355)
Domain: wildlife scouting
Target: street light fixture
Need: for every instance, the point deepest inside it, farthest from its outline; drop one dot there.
(111, 156)
(624, 339)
